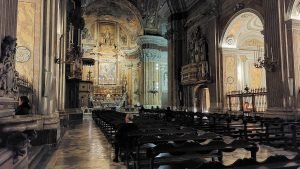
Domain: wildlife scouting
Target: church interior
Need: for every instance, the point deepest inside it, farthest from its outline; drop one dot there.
(158, 84)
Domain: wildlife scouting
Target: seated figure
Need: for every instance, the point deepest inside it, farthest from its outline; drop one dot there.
(247, 109)
(23, 107)
(122, 141)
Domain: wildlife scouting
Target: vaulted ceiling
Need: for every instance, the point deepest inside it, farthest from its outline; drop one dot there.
(150, 13)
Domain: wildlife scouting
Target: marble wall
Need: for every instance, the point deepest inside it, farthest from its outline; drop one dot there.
(8, 18)
(28, 49)
(214, 17)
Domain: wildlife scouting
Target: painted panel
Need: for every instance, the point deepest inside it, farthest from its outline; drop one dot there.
(25, 35)
(107, 73)
(230, 78)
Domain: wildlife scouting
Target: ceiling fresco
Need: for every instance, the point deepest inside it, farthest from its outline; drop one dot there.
(112, 26)
(241, 28)
(147, 12)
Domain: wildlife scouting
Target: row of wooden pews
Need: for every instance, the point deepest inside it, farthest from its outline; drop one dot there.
(271, 131)
(246, 128)
(162, 143)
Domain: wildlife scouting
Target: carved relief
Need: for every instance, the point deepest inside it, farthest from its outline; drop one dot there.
(198, 47)
(8, 73)
(86, 34)
(229, 73)
(298, 9)
(256, 77)
(123, 38)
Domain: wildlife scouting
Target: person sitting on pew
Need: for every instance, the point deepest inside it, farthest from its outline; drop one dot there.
(122, 141)
(23, 107)
(247, 109)
(169, 116)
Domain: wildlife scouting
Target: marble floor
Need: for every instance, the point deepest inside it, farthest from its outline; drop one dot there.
(84, 147)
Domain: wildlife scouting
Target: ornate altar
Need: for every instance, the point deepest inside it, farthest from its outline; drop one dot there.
(108, 95)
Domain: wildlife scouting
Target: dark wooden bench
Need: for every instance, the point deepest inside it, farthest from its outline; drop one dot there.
(194, 150)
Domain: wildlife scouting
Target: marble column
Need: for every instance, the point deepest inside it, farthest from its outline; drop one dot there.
(293, 34)
(53, 41)
(275, 45)
(8, 18)
(176, 41)
(152, 52)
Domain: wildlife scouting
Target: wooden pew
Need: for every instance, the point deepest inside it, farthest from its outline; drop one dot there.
(194, 150)
(273, 162)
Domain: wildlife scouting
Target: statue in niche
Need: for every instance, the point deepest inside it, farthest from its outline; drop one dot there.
(86, 34)
(191, 50)
(124, 40)
(198, 46)
(8, 73)
(150, 22)
(107, 37)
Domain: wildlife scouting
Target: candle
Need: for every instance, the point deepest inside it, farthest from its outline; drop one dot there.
(272, 53)
(266, 51)
(70, 38)
(79, 36)
(72, 29)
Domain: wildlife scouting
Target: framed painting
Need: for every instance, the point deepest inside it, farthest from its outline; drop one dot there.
(107, 73)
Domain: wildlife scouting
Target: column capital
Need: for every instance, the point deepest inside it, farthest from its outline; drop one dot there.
(151, 54)
(293, 24)
(152, 40)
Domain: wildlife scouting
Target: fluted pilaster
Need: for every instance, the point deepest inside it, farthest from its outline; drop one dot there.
(277, 81)
(177, 40)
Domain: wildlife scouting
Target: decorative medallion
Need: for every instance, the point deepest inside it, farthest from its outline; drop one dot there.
(22, 54)
(230, 80)
(230, 40)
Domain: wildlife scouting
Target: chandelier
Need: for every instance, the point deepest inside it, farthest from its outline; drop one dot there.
(267, 62)
(154, 89)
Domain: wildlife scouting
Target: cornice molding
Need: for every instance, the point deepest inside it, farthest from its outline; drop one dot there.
(150, 39)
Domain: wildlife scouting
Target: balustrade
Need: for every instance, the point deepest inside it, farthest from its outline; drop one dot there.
(257, 98)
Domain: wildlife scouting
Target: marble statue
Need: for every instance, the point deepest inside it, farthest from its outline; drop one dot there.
(8, 73)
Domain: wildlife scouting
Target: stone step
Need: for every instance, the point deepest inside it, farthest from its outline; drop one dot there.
(35, 154)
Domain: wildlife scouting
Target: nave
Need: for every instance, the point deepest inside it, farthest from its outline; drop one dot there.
(83, 147)
(63, 59)
(188, 141)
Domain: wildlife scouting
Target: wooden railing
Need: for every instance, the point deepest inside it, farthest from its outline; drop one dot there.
(257, 98)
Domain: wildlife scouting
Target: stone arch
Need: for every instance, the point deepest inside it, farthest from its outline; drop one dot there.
(201, 98)
(293, 11)
(242, 44)
(260, 16)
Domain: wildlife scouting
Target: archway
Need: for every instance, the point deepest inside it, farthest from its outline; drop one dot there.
(242, 47)
(293, 34)
(201, 99)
